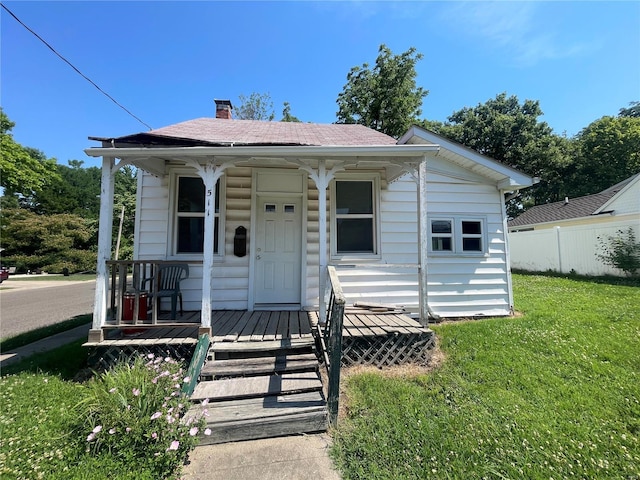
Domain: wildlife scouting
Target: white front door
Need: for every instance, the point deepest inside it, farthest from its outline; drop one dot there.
(278, 251)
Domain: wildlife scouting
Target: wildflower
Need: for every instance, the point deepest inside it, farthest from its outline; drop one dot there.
(112, 390)
(112, 431)
(174, 445)
(128, 429)
(136, 392)
(167, 359)
(207, 431)
(187, 379)
(170, 419)
(154, 435)
(205, 402)
(97, 429)
(193, 431)
(150, 356)
(91, 437)
(46, 380)
(156, 415)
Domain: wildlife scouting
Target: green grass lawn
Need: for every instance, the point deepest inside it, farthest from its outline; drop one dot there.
(554, 393)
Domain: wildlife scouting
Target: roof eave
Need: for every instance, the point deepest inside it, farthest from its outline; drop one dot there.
(512, 179)
(275, 151)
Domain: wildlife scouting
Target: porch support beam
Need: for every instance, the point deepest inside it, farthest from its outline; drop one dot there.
(322, 178)
(104, 248)
(210, 174)
(423, 249)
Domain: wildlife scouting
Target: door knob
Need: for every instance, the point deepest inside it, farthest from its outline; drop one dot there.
(258, 257)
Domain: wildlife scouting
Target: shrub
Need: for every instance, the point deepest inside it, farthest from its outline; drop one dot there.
(621, 251)
(134, 413)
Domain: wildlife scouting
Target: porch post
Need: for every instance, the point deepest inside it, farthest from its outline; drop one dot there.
(423, 247)
(321, 184)
(104, 250)
(209, 178)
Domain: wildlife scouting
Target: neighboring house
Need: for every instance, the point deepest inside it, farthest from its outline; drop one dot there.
(564, 236)
(259, 209)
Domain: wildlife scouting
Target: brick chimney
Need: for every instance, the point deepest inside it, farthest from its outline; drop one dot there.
(223, 109)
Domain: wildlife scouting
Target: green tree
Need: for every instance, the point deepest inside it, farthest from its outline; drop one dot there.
(23, 170)
(75, 190)
(609, 152)
(48, 242)
(633, 110)
(257, 106)
(286, 114)
(386, 97)
(510, 132)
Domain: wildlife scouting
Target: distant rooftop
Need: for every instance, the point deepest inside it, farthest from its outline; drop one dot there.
(574, 208)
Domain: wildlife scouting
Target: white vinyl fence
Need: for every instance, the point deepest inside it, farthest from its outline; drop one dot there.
(563, 249)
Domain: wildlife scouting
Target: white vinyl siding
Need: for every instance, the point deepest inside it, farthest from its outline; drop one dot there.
(459, 285)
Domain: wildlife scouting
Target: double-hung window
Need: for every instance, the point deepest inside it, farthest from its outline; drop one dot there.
(190, 206)
(355, 229)
(457, 235)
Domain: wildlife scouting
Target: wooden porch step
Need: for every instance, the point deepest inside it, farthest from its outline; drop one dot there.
(271, 345)
(254, 418)
(259, 365)
(259, 386)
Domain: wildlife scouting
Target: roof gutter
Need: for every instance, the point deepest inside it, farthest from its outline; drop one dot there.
(261, 151)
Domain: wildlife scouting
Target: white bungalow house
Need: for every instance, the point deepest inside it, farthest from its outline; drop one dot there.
(564, 236)
(260, 209)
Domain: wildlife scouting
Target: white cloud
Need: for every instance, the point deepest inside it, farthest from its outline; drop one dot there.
(513, 29)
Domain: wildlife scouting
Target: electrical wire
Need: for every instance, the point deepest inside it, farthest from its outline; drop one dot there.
(72, 66)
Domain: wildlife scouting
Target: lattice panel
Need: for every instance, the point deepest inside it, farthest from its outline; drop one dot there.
(387, 350)
(103, 358)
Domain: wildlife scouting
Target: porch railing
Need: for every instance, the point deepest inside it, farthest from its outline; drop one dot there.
(332, 343)
(132, 291)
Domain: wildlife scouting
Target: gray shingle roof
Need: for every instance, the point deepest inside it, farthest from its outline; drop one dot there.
(214, 131)
(575, 208)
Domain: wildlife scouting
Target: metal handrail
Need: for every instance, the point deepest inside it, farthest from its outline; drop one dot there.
(331, 340)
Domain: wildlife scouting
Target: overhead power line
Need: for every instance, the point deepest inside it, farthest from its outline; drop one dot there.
(73, 66)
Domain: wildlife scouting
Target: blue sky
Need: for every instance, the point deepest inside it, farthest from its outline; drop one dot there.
(167, 61)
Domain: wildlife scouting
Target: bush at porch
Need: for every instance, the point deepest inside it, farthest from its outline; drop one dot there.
(124, 424)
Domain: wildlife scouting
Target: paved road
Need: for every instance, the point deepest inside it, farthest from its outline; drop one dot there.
(28, 305)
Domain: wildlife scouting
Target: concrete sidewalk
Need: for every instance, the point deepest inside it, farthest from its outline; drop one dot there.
(44, 345)
(299, 457)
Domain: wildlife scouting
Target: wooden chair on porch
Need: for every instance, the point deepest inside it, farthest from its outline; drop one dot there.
(166, 283)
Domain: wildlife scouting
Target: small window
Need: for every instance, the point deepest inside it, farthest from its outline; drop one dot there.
(457, 235)
(354, 217)
(269, 208)
(289, 209)
(190, 206)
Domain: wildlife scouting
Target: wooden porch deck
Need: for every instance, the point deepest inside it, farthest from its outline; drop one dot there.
(382, 337)
(227, 326)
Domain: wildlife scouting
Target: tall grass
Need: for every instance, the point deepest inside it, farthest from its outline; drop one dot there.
(554, 393)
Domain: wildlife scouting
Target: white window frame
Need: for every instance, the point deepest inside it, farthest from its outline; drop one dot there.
(374, 178)
(174, 215)
(457, 236)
